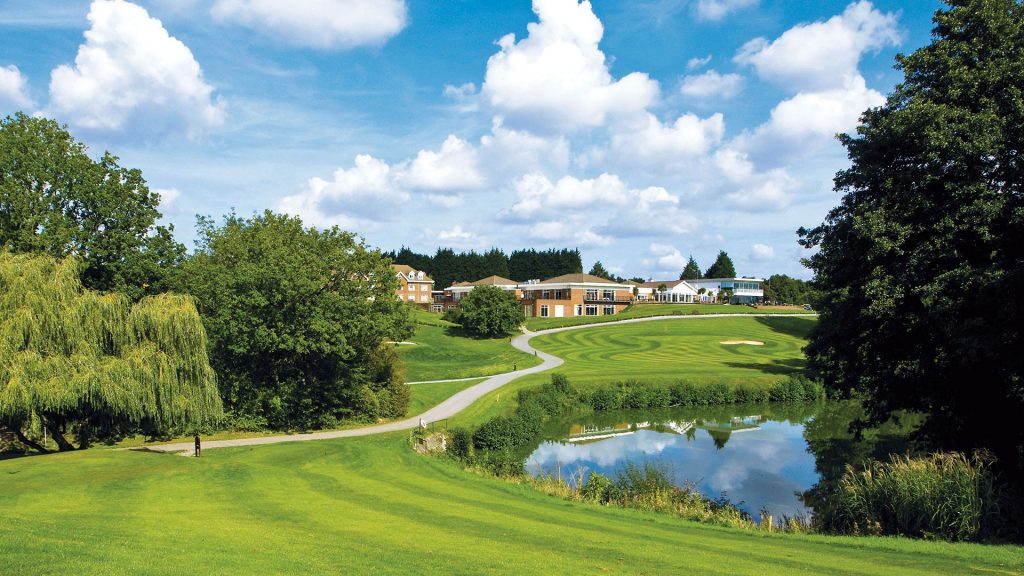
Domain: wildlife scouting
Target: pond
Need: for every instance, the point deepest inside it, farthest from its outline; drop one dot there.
(758, 456)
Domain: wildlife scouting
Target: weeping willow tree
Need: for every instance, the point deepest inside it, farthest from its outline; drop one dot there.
(82, 361)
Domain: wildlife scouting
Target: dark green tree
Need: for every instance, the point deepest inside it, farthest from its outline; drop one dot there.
(94, 363)
(490, 312)
(691, 271)
(722, 268)
(56, 200)
(921, 263)
(298, 320)
(599, 271)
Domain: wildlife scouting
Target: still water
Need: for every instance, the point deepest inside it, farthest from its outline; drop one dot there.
(759, 456)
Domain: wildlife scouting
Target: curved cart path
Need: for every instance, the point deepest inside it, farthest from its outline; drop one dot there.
(453, 405)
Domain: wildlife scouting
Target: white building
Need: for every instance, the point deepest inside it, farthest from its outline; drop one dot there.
(743, 290)
(676, 291)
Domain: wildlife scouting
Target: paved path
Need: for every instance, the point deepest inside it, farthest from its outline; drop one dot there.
(452, 405)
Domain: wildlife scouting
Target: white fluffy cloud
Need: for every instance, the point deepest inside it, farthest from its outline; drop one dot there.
(13, 90)
(819, 62)
(366, 192)
(454, 167)
(131, 74)
(715, 10)
(695, 62)
(318, 23)
(574, 231)
(537, 195)
(749, 190)
(822, 55)
(651, 142)
(557, 78)
(711, 84)
(761, 253)
(667, 258)
(168, 199)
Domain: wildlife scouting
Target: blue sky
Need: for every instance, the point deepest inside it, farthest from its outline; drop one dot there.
(639, 131)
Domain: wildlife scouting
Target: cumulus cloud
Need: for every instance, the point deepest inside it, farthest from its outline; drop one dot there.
(761, 253)
(749, 189)
(168, 199)
(711, 84)
(715, 10)
(821, 55)
(573, 230)
(651, 211)
(446, 200)
(13, 90)
(318, 23)
(454, 167)
(695, 62)
(667, 257)
(537, 195)
(366, 192)
(819, 62)
(131, 74)
(651, 142)
(557, 78)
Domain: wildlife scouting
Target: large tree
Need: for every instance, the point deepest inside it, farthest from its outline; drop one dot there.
(922, 262)
(722, 267)
(490, 312)
(298, 321)
(691, 271)
(94, 364)
(55, 199)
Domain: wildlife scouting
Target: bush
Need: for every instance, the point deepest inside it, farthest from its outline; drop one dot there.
(460, 445)
(605, 398)
(943, 495)
(596, 488)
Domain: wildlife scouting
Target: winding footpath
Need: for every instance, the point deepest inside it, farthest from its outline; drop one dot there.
(454, 404)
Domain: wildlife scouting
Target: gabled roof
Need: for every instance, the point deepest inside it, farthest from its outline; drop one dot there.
(495, 281)
(579, 279)
(409, 272)
(461, 284)
(667, 283)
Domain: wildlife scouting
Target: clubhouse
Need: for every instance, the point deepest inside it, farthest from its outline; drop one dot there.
(572, 295)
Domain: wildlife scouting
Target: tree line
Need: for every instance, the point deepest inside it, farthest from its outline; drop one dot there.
(447, 267)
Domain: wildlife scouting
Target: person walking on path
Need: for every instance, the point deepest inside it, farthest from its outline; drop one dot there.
(199, 447)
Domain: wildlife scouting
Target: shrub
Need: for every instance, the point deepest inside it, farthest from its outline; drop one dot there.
(684, 394)
(942, 495)
(605, 398)
(596, 488)
(460, 444)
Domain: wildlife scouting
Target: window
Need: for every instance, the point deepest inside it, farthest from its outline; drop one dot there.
(609, 310)
(412, 298)
(543, 310)
(591, 294)
(609, 294)
(579, 309)
(437, 308)
(591, 310)
(423, 298)
(423, 287)
(545, 294)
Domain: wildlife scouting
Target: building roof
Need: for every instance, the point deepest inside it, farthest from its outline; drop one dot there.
(409, 272)
(579, 279)
(495, 281)
(461, 284)
(667, 283)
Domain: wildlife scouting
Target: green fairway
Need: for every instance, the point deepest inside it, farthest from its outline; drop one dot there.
(372, 506)
(649, 310)
(664, 351)
(441, 353)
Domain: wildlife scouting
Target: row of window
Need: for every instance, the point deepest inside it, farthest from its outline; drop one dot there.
(423, 287)
(589, 310)
(412, 298)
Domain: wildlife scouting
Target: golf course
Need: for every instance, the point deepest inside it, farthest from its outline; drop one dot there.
(373, 505)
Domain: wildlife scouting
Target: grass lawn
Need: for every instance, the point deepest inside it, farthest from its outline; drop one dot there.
(441, 353)
(424, 396)
(372, 506)
(664, 352)
(648, 310)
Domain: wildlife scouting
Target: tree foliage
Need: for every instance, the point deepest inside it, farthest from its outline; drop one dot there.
(298, 319)
(782, 288)
(922, 262)
(94, 363)
(55, 199)
(722, 268)
(490, 312)
(599, 271)
(691, 271)
(447, 267)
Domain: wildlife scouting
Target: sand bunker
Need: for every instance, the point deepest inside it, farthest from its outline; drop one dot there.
(742, 342)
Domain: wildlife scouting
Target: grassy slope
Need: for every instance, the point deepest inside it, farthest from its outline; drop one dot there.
(648, 310)
(371, 505)
(423, 396)
(661, 351)
(440, 353)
